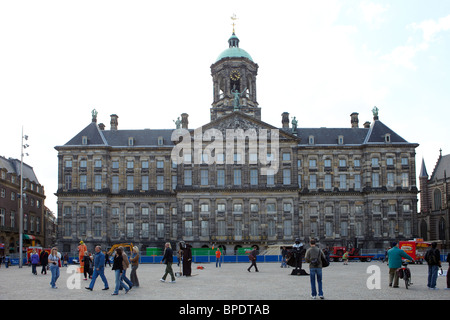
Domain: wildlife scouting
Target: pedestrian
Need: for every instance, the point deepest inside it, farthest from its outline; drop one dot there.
(448, 272)
(433, 258)
(313, 257)
(98, 269)
(87, 265)
(81, 249)
(34, 258)
(66, 259)
(44, 261)
(126, 264)
(107, 261)
(187, 260)
(118, 269)
(168, 260)
(284, 253)
(218, 258)
(345, 258)
(252, 258)
(134, 259)
(54, 260)
(395, 255)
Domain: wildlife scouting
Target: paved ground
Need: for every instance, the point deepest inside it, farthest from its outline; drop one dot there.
(231, 282)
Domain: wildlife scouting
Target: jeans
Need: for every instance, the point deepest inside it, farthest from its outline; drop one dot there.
(219, 262)
(432, 276)
(54, 269)
(119, 282)
(96, 273)
(313, 273)
(124, 278)
(33, 268)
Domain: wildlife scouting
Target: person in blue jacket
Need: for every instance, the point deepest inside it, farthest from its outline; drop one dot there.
(34, 258)
(99, 269)
(395, 255)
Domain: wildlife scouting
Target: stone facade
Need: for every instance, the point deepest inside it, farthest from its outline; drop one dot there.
(340, 185)
(434, 202)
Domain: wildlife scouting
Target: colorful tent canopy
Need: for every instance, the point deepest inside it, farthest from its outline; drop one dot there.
(28, 236)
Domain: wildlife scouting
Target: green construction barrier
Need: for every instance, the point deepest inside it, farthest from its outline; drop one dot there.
(154, 252)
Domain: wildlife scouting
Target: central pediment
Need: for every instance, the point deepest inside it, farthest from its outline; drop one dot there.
(241, 121)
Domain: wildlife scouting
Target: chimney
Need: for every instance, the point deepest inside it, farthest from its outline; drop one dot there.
(114, 122)
(285, 120)
(184, 120)
(354, 120)
(367, 125)
(101, 126)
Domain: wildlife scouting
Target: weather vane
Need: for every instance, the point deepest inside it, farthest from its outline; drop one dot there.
(234, 18)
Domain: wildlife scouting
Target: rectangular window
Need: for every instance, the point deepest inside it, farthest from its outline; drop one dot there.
(144, 181)
(159, 164)
(98, 182)
(238, 228)
(342, 181)
(299, 180)
(144, 164)
(390, 179)
(286, 176)
(357, 181)
(220, 177)
(188, 228)
(160, 230)
(97, 229)
(221, 207)
(204, 177)
(254, 177)
(287, 226)
(130, 164)
(221, 228)
(188, 177)
(68, 182)
(313, 181)
(83, 182)
(405, 180)
(115, 183)
(375, 180)
(115, 230)
(254, 228)
(327, 182)
(204, 228)
(130, 229)
(237, 177)
(145, 230)
(159, 182)
(270, 178)
(286, 156)
(272, 232)
(160, 211)
(130, 183)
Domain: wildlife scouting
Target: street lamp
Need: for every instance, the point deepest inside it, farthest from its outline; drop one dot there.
(22, 146)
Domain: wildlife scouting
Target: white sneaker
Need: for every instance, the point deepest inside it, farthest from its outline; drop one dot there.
(313, 297)
(173, 281)
(162, 280)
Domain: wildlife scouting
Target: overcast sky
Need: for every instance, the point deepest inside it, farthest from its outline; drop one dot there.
(149, 61)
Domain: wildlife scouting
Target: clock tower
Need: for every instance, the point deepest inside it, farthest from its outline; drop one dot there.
(234, 82)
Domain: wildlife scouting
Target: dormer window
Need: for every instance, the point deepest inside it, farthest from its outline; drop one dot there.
(311, 140)
(131, 141)
(387, 138)
(84, 140)
(340, 139)
(160, 141)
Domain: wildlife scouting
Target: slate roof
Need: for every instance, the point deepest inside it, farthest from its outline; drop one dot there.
(13, 166)
(322, 136)
(442, 168)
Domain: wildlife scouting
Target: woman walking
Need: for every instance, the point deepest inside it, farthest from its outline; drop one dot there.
(34, 258)
(168, 260)
(134, 259)
(54, 259)
(118, 269)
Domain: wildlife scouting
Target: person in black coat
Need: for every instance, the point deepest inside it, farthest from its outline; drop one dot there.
(187, 260)
(168, 260)
(44, 261)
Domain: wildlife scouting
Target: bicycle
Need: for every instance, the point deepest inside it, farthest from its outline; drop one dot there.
(405, 273)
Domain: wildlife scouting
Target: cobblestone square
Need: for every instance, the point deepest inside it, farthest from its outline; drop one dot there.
(230, 282)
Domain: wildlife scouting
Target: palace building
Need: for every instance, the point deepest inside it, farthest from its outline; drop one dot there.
(254, 183)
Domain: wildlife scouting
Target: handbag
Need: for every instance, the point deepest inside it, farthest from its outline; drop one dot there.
(325, 262)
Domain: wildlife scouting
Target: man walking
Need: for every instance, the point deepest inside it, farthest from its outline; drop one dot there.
(99, 269)
(313, 257)
(252, 258)
(168, 260)
(395, 255)
(433, 258)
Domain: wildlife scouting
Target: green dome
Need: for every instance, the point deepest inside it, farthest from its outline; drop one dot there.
(234, 51)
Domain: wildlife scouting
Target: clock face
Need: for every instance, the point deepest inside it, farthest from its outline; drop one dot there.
(235, 75)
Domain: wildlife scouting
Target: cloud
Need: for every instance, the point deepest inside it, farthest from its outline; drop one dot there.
(404, 55)
(431, 28)
(372, 13)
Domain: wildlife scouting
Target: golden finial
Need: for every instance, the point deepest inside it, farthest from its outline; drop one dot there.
(233, 17)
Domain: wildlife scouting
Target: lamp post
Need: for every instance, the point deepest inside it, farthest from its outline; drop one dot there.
(22, 146)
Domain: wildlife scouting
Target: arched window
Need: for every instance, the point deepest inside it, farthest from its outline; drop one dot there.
(442, 229)
(437, 199)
